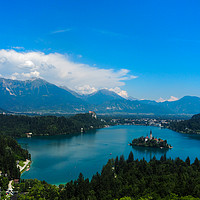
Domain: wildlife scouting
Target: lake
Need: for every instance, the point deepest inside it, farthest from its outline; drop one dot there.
(59, 159)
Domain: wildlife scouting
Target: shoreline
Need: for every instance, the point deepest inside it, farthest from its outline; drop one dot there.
(114, 130)
(27, 163)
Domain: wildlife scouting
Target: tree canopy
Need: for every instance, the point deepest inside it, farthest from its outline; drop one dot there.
(10, 152)
(19, 125)
(187, 126)
(129, 179)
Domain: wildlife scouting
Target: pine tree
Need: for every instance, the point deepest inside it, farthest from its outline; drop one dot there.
(130, 157)
(187, 161)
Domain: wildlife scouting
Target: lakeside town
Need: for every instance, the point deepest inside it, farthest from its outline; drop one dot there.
(162, 123)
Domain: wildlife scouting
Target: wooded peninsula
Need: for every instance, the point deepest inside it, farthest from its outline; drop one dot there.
(191, 126)
(21, 125)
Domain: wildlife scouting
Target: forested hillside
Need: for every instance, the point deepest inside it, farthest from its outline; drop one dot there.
(187, 126)
(10, 152)
(157, 179)
(18, 125)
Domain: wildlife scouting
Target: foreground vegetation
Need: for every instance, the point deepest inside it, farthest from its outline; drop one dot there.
(18, 125)
(125, 179)
(10, 152)
(187, 126)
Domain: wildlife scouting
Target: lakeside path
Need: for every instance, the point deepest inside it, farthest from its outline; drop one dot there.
(25, 165)
(10, 186)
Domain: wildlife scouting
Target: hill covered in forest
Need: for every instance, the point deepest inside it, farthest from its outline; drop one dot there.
(10, 152)
(19, 125)
(187, 126)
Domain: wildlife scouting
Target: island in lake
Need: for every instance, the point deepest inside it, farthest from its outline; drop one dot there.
(150, 142)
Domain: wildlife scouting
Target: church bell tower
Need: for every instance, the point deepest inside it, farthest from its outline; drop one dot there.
(151, 135)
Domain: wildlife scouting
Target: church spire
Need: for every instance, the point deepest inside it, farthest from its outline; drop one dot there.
(151, 135)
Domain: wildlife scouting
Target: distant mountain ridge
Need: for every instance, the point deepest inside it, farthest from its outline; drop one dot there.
(185, 105)
(38, 95)
(72, 92)
(101, 97)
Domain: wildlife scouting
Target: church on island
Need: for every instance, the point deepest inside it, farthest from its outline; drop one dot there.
(150, 142)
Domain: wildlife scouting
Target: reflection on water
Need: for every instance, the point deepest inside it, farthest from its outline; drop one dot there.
(150, 152)
(58, 159)
(192, 136)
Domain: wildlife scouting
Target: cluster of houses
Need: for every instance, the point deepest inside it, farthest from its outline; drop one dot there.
(143, 122)
(94, 115)
(28, 135)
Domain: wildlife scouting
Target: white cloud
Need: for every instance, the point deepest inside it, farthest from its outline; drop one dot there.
(85, 89)
(120, 92)
(172, 98)
(60, 70)
(18, 48)
(28, 64)
(2, 60)
(61, 31)
(23, 75)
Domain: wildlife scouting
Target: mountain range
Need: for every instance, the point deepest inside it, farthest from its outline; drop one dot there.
(38, 95)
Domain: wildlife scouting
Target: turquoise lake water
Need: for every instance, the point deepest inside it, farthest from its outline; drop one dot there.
(59, 159)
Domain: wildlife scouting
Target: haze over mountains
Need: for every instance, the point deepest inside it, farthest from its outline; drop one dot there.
(37, 95)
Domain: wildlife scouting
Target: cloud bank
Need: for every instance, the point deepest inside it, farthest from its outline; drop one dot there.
(120, 92)
(60, 70)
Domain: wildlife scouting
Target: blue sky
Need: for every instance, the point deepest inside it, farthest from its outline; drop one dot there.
(156, 41)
